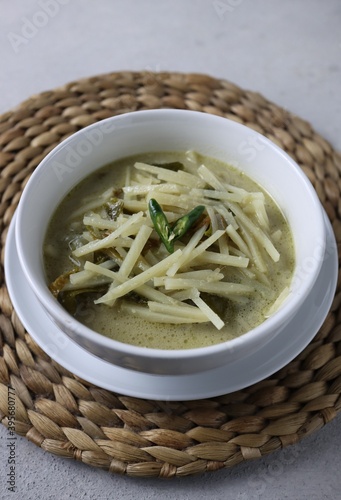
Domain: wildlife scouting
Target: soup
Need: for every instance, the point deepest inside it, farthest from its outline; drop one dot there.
(169, 250)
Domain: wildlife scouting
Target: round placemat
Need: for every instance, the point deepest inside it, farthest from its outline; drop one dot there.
(71, 418)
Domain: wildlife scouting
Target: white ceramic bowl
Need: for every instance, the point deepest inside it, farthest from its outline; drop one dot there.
(171, 130)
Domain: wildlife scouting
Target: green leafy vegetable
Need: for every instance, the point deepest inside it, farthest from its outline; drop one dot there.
(113, 208)
(58, 284)
(71, 299)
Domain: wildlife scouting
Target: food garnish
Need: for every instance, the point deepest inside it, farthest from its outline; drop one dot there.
(170, 233)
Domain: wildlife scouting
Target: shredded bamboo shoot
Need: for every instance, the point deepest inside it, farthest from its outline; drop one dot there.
(225, 252)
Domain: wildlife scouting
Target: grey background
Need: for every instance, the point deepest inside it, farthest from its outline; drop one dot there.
(289, 52)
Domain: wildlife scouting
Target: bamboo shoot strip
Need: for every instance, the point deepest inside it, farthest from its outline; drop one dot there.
(227, 216)
(143, 178)
(216, 195)
(238, 240)
(95, 220)
(104, 271)
(220, 259)
(108, 241)
(85, 275)
(156, 317)
(255, 251)
(210, 314)
(179, 177)
(223, 245)
(183, 311)
(210, 178)
(151, 293)
(93, 282)
(220, 288)
(276, 236)
(187, 251)
(140, 279)
(261, 213)
(135, 251)
(128, 176)
(215, 275)
(207, 276)
(134, 205)
(145, 189)
(202, 247)
(204, 274)
(183, 295)
(92, 203)
(259, 235)
(278, 302)
(213, 218)
(216, 223)
(146, 291)
(171, 200)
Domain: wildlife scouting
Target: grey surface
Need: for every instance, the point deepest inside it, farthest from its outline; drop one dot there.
(288, 51)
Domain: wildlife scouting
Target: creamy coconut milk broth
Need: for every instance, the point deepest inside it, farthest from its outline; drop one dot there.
(119, 323)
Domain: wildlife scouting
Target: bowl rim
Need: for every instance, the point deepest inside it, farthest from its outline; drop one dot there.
(254, 335)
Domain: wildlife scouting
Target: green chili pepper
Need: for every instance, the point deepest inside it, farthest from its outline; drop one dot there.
(168, 234)
(161, 224)
(183, 224)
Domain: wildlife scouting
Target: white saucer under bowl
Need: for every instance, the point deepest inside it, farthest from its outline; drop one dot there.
(226, 379)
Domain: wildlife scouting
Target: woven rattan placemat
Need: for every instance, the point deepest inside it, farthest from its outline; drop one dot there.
(72, 418)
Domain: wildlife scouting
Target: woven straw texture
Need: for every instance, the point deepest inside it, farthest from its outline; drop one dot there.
(71, 418)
